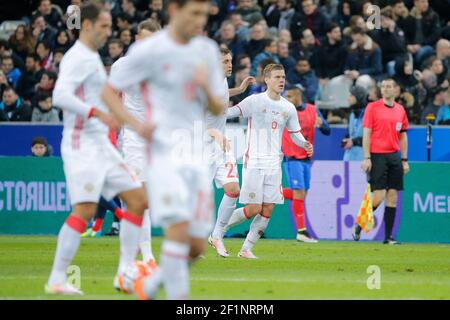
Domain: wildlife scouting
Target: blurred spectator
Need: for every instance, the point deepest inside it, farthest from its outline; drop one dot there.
(126, 37)
(287, 12)
(115, 49)
(241, 72)
(331, 54)
(257, 40)
(364, 56)
(304, 75)
(44, 111)
(270, 52)
(443, 115)
(310, 17)
(407, 100)
(46, 84)
(260, 85)
(249, 11)
(13, 108)
(227, 35)
(422, 30)
(244, 60)
(40, 147)
(31, 76)
(241, 26)
(129, 7)
(41, 31)
(3, 83)
(352, 143)
(156, 12)
(52, 15)
(346, 9)
(355, 22)
(11, 72)
(62, 40)
(400, 13)
(391, 40)
(124, 21)
(304, 47)
(58, 54)
(438, 70)
(22, 42)
(6, 51)
(271, 13)
(43, 49)
(283, 54)
(285, 35)
(443, 52)
(438, 96)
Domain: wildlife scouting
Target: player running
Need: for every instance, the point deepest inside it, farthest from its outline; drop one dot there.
(181, 77)
(92, 165)
(223, 168)
(268, 114)
(133, 145)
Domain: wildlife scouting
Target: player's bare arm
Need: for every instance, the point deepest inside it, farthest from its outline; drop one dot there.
(404, 151)
(367, 163)
(220, 139)
(244, 85)
(112, 100)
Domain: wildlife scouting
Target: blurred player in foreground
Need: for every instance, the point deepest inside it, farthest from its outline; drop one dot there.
(133, 146)
(223, 168)
(92, 165)
(297, 163)
(268, 114)
(181, 77)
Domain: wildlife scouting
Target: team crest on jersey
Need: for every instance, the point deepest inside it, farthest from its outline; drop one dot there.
(89, 187)
(252, 195)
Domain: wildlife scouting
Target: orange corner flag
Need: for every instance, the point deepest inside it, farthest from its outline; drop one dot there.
(365, 214)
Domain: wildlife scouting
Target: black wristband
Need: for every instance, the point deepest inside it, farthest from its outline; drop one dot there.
(405, 159)
(367, 158)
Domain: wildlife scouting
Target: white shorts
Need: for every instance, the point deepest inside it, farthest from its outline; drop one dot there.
(96, 170)
(133, 148)
(261, 186)
(179, 193)
(223, 172)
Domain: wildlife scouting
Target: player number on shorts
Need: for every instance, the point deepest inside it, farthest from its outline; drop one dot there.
(230, 165)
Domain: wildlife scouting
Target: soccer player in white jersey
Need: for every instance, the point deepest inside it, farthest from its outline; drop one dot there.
(92, 166)
(223, 167)
(181, 77)
(268, 115)
(133, 145)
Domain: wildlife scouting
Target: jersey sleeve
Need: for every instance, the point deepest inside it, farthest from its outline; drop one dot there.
(368, 117)
(293, 124)
(246, 106)
(72, 74)
(138, 66)
(405, 123)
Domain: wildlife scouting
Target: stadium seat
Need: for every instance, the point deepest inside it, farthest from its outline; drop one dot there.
(334, 94)
(8, 27)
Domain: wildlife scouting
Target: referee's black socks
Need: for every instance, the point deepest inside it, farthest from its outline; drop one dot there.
(389, 218)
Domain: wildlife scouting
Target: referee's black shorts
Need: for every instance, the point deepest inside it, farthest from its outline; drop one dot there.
(387, 171)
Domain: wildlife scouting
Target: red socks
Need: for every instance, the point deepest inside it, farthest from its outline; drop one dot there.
(136, 220)
(298, 206)
(119, 213)
(97, 225)
(288, 194)
(76, 223)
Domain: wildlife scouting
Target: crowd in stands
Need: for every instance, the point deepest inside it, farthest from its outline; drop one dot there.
(321, 43)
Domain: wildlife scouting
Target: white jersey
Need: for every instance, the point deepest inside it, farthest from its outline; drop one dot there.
(81, 73)
(132, 97)
(267, 120)
(219, 122)
(165, 71)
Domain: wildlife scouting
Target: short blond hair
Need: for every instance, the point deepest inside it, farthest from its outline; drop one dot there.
(272, 67)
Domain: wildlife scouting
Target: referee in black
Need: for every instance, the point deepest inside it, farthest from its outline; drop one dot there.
(385, 145)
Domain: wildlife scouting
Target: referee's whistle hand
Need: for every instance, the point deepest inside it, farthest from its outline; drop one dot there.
(405, 167)
(366, 165)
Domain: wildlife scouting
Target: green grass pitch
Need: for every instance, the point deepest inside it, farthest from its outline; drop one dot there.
(286, 270)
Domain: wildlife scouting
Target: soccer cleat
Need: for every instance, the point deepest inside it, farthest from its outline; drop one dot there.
(391, 241)
(112, 232)
(91, 234)
(246, 254)
(219, 246)
(116, 284)
(303, 236)
(64, 289)
(356, 234)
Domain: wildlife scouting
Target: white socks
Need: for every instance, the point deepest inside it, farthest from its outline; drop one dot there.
(237, 217)
(257, 228)
(145, 240)
(174, 265)
(66, 248)
(226, 209)
(130, 231)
